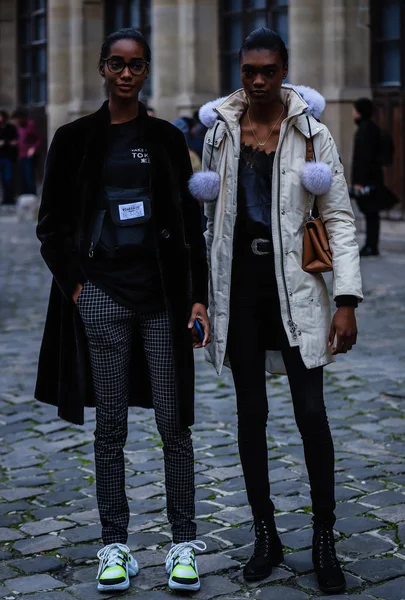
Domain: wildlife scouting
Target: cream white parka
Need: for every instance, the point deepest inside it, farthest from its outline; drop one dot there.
(305, 306)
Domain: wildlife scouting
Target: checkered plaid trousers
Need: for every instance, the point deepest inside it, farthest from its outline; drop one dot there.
(109, 330)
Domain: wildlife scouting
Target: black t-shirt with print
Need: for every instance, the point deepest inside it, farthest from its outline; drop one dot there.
(133, 281)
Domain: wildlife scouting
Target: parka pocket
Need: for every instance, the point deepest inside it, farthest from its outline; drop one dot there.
(216, 135)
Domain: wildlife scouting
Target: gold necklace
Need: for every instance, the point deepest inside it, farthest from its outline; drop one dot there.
(272, 129)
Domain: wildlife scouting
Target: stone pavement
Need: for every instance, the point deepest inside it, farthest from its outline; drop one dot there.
(49, 531)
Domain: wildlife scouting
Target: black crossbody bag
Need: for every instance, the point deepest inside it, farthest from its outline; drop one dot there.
(119, 229)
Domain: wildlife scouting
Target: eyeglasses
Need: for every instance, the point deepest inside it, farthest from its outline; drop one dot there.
(116, 66)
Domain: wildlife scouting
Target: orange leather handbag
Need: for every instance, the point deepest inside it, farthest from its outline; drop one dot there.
(316, 256)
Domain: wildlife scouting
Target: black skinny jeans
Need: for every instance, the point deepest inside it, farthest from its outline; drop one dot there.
(255, 325)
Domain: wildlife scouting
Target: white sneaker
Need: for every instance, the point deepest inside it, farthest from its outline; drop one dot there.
(182, 566)
(117, 565)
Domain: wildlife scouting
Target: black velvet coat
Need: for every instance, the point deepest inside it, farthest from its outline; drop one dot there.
(72, 183)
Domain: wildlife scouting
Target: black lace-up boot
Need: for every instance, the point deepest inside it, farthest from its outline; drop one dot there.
(331, 579)
(268, 552)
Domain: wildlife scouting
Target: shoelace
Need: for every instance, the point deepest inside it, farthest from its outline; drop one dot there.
(328, 558)
(110, 556)
(262, 538)
(184, 553)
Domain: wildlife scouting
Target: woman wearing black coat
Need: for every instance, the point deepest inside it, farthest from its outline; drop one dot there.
(122, 237)
(367, 172)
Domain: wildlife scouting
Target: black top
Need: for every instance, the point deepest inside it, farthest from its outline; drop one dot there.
(8, 133)
(134, 280)
(366, 166)
(255, 178)
(254, 195)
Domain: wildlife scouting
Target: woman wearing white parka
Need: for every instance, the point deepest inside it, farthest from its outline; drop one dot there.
(266, 312)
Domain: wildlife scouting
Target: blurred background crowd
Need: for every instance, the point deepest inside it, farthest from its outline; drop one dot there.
(346, 49)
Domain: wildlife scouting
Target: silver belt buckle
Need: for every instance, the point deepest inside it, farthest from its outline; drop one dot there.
(254, 244)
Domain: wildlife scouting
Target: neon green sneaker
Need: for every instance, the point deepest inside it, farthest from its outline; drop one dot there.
(116, 567)
(182, 567)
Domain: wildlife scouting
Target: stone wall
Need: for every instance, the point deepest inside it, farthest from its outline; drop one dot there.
(75, 33)
(329, 46)
(329, 50)
(185, 65)
(8, 55)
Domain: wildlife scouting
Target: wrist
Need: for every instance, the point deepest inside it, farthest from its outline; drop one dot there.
(346, 300)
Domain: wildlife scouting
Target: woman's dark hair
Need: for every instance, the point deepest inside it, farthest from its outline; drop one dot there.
(5, 115)
(20, 113)
(265, 39)
(364, 107)
(128, 33)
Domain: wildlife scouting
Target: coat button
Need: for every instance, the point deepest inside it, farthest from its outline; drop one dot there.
(165, 234)
(283, 171)
(283, 212)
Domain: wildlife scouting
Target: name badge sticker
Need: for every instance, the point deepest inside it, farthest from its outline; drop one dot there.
(134, 210)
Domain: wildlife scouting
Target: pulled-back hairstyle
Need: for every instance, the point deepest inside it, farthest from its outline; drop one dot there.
(265, 39)
(128, 33)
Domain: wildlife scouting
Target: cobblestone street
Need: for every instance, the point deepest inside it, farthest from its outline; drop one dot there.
(49, 534)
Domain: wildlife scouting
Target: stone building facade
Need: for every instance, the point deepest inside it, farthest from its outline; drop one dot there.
(49, 52)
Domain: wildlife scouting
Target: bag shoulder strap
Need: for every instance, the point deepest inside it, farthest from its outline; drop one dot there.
(309, 157)
(309, 154)
(212, 147)
(96, 233)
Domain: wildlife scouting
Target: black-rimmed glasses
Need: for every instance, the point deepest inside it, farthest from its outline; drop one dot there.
(117, 65)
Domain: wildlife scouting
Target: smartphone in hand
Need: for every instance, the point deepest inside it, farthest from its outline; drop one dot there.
(199, 329)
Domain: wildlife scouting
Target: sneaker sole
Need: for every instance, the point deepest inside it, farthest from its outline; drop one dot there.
(192, 587)
(110, 588)
(133, 570)
(124, 585)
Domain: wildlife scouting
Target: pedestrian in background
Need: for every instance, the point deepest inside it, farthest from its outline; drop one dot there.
(263, 306)
(29, 143)
(198, 131)
(184, 125)
(121, 234)
(367, 174)
(8, 156)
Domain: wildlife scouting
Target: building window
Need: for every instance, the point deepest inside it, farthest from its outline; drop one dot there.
(388, 19)
(130, 13)
(32, 52)
(237, 19)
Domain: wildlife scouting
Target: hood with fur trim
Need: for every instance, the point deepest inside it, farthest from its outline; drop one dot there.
(316, 177)
(314, 100)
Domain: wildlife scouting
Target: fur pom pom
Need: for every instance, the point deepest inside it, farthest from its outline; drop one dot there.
(316, 102)
(205, 185)
(207, 114)
(316, 177)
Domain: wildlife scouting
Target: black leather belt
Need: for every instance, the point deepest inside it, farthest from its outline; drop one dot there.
(261, 246)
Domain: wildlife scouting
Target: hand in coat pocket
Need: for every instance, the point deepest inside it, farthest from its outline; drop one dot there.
(76, 293)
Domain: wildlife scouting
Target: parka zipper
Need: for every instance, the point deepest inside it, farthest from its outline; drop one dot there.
(295, 332)
(291, 324)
